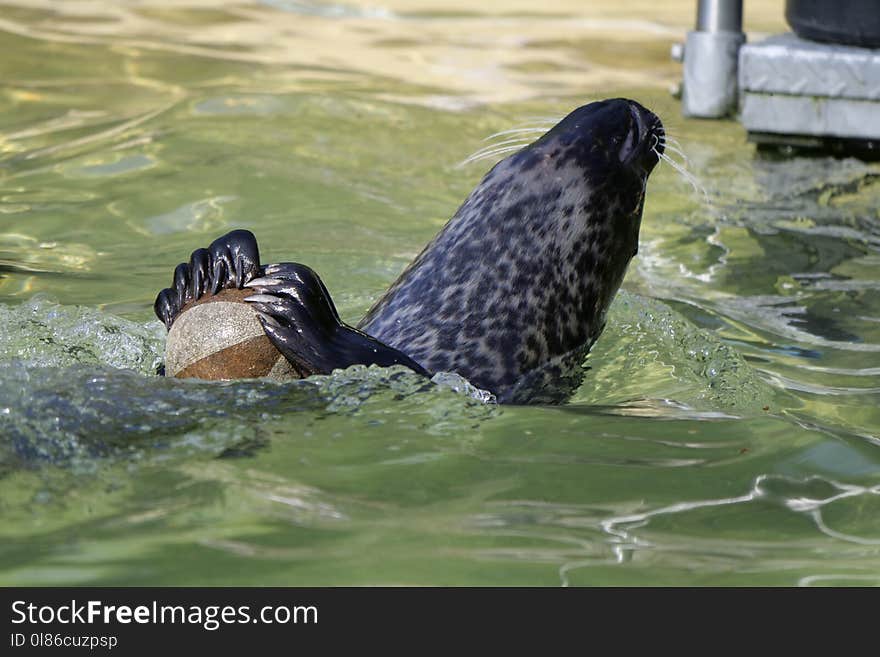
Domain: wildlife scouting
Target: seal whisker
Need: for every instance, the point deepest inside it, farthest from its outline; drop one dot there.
(517, 140)
(520, 136)
(669, 139)
(667, 152)
(672, 144)
(672, 149)
(491, 153)
(497, 151)
(684, 173)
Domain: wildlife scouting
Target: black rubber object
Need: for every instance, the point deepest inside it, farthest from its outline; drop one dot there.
(844, 22)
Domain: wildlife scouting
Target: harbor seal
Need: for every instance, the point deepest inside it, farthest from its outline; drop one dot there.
(511, 294)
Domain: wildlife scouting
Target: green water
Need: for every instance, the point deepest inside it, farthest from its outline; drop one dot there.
(728, 431)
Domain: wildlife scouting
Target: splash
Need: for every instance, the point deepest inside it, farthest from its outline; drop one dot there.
(78, 385)
(42, 333)
(649, 351)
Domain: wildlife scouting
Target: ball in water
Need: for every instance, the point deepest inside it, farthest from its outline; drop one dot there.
(219, 337)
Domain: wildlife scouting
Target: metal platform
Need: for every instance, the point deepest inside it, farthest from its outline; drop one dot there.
(790, 86)
(785, 90)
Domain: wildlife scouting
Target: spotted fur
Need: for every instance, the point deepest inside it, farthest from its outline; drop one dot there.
(513, 292)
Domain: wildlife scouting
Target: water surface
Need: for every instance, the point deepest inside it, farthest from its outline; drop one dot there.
(728, 430)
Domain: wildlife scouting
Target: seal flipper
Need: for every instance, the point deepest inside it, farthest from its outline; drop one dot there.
(230, 261)
(300, 319)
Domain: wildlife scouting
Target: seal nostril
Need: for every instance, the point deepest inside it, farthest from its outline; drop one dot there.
(628, 147)
(636, 134)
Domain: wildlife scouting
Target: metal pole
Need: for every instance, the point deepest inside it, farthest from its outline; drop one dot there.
(711, 55)
(719, 16)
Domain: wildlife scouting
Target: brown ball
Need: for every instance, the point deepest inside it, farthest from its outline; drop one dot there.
(219, 337)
